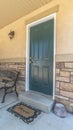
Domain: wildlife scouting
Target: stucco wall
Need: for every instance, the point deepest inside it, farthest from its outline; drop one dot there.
(14, 48)
(17, 46)
(12, 52)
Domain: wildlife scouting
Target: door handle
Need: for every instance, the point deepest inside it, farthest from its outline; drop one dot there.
(30, 58)
(30, 62)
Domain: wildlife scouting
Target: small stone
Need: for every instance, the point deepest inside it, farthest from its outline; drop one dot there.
(60, 110)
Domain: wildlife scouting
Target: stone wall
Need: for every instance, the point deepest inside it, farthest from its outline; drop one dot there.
(18, 66)
(64, 84)
(64, 79)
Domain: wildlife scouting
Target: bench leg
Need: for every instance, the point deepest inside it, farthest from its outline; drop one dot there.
(16, 92)
(3, 100)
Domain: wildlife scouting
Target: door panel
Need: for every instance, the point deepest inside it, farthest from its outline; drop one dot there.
(41, 53)
(45, 75)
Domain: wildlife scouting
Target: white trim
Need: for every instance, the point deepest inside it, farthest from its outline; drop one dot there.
(54, 64)
(27, 58)
(53, 16)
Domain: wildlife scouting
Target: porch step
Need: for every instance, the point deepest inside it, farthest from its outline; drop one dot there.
(37, 100)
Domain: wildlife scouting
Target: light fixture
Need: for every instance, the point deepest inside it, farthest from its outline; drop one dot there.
(11, 34)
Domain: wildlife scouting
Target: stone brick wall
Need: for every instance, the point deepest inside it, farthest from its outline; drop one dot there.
(19, 66)
(64, 80)
(64, 84)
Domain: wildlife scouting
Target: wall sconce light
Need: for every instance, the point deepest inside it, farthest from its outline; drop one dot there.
(11, 34)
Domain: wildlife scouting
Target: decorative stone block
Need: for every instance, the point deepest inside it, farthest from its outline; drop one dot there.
(23, 72)
(71, 73)
(71, 100)
(21, 67)
(57, 91)
(64, 73)
(57, 74)
(65, 79)
(21, 82)
(60, 65)
(57, 70)
(67, 69)
(69, 65)
(13, 66)
(57, 84)
(66, 94)
(71, 79)
(66, 87)
(62, 101)
(20, 89)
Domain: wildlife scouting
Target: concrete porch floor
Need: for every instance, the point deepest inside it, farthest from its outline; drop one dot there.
(9, 99)
(44, 121)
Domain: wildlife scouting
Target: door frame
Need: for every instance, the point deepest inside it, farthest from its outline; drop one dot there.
(53, 16)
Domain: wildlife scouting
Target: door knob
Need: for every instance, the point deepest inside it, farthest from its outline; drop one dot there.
(30, 58)
(30, 62)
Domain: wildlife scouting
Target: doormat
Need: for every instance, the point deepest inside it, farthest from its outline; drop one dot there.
(24, 112)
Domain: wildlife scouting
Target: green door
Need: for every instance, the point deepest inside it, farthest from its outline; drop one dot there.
(41, 57)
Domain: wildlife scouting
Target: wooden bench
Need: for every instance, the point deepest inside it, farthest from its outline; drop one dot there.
(8, 81)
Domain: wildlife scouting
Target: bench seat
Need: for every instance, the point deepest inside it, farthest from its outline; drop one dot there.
(8, 79)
